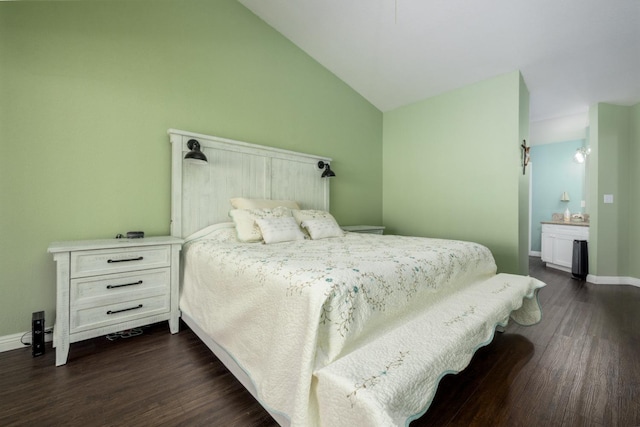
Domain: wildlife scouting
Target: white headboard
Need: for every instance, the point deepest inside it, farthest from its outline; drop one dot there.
(200, 193)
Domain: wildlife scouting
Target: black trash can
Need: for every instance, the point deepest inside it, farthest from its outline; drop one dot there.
(580, 261)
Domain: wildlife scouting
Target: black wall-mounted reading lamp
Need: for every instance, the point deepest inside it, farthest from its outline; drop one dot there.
(195, 155)
(327, 173)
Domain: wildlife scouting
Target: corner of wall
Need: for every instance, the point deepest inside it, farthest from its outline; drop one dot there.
(592, 188)
(524, 214)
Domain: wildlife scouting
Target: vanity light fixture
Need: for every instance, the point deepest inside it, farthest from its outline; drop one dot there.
(195, 155)
(327, 173)
(581, 154)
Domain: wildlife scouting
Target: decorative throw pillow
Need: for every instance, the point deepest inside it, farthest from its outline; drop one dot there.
(243, 203)
(322, 228)
(301, 215)
(304, 214)
(245, 220)
(275, 230)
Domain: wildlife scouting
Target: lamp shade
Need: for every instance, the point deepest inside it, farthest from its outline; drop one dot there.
(195, 155)
(564, 197)
(327, 173)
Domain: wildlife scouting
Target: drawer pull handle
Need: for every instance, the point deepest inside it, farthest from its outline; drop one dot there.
(124, 309)
(139, 282)
(110, 261)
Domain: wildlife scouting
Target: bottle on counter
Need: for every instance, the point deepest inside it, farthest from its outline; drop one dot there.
(567, 215)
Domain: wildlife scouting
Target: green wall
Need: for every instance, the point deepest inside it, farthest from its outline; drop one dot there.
(634, 194)
(613, 165)
(452, 168)
(614, 235)
(88, 91)
(592, 197)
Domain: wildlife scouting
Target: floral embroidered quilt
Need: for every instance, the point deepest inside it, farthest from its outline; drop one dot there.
(362, 314)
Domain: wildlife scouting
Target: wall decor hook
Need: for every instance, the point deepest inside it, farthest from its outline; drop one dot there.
(525, 155)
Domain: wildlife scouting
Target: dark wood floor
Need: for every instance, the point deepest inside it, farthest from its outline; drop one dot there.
(579, 367)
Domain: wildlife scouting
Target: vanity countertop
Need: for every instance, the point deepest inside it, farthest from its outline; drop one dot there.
(576, 223)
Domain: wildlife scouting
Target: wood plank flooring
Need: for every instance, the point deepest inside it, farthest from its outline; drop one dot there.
(579, 367)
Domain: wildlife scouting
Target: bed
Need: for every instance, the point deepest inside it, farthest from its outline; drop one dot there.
(326, 327)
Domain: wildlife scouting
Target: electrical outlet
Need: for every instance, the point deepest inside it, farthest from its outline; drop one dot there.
(608, 198)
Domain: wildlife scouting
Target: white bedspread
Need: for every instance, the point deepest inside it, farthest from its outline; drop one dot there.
(343, 310)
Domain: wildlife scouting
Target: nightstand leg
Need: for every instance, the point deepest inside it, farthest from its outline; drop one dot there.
(174, 323)
(62, 352)
(174, 320)
(61, 329)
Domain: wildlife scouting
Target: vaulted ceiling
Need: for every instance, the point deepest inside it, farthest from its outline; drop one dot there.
(572, 53)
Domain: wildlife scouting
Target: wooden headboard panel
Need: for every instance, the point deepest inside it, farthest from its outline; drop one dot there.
(200, 193)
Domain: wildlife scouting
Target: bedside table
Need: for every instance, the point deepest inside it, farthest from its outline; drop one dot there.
(371, 229)
(105, 286)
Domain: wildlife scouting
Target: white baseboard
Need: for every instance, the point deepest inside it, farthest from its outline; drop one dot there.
(535, 253)
(602, 280)
(12, 342)
(613, 280)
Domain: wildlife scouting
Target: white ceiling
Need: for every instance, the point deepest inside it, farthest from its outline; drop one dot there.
(572, 53)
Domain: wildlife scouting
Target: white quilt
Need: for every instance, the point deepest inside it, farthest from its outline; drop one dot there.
(342, 330)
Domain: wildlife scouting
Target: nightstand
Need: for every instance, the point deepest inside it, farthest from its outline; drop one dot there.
(371, 229)
(105, 286)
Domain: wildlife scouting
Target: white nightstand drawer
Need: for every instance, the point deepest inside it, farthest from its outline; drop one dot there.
(98, 317)
(101, 290)
(105, 261)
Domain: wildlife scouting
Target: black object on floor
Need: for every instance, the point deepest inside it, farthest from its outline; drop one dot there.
(580, 261)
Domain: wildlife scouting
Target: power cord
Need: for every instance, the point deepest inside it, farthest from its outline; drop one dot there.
(22, 338)
(127, 333)
(46, 332)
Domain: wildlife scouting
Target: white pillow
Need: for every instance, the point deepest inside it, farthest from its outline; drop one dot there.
(245, 220)
(301, 215)
(275, 230)
(242, 203)
(208, 230)
(322, 228)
